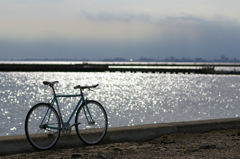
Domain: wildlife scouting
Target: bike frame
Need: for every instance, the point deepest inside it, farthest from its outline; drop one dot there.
(81, 101)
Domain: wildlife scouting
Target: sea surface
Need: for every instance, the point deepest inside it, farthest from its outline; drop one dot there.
(129, 98)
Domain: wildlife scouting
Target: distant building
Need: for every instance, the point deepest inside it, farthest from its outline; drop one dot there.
(222, 59)
(116, 59)
(199, 60)
(120, 59)
(146, 59)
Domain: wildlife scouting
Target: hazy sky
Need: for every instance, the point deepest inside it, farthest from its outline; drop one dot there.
(96, 29)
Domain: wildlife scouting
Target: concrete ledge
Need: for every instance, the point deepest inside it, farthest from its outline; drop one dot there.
(19, 143)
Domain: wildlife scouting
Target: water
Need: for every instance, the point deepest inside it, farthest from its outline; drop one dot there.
(129, 98)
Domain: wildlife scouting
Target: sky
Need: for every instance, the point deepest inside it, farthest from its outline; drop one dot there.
(100, 29)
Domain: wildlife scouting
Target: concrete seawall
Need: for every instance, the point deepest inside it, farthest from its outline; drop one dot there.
(19, 144)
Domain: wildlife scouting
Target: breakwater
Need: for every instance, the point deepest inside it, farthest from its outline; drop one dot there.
(120, 67)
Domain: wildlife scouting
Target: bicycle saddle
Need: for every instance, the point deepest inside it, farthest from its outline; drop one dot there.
(50, 83)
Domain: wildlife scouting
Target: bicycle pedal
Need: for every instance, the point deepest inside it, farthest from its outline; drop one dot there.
(75, 124)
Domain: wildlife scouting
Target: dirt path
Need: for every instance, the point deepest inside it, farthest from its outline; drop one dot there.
(224, 144)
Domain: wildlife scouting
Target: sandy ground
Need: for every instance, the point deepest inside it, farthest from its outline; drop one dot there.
(224, 144)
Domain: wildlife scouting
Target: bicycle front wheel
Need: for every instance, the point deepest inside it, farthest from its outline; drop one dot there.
(93, 122)
(42, 126)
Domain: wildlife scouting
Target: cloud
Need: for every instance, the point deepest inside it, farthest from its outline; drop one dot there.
(186, 18)
(87, 30)
(110, 16)
(175, 37)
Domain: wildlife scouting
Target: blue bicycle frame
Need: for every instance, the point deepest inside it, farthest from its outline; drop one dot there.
(81, 101)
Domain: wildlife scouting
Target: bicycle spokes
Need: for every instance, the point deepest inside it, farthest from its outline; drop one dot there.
(94, 122)
(42, 127)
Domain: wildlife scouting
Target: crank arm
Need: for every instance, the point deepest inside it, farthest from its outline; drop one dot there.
(75, 124)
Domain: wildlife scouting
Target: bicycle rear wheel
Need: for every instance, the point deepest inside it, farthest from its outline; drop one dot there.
(42, 126)
(94, 122)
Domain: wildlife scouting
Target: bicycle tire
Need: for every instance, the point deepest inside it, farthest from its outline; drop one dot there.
(91, 133)
(38, 135)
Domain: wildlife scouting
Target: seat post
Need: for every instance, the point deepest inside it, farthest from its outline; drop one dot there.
(54, 93)
(51, 84)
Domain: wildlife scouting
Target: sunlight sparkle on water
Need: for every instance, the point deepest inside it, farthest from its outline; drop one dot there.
(129, 98)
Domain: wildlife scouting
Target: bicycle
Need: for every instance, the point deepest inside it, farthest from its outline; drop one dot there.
(43, 123)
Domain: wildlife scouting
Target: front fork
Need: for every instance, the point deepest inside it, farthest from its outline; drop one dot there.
(88, 114)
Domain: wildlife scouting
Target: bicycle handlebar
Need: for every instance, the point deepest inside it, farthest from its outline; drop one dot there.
(85, 87)
(51, 84)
